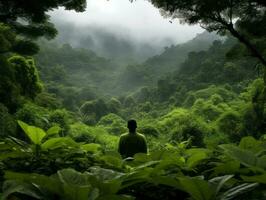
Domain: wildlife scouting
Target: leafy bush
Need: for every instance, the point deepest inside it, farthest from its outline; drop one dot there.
(60, 117)
(230, 123)
(93, 110)
(26, 75)
(113, 124)
(95, 134)
(207, 93)
(114, 105)
(33, 114)
(181, 124)
(149, 130)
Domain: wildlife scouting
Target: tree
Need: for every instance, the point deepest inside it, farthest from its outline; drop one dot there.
(29, 20)
(219, 16)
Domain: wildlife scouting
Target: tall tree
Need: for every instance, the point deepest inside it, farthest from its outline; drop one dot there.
(29, 18)
(239, 17)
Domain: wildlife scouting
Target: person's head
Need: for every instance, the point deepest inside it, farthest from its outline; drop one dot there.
(132, 125)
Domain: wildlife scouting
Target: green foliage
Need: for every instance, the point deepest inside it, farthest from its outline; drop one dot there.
(7, 122)
(161, 171)
(114, 105)
(35, 134)
(93, 110)
(230, 123)
(183, 125)
(113, 124)
(32, 114)
(26, 75)
(149, 130)
(60, 117)
(91, 134)
(220, 18)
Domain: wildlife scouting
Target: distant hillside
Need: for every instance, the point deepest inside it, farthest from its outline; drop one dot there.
(173, 56)
(122, 49)
(156, 67)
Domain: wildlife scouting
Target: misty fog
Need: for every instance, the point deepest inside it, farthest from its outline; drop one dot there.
(121, 30)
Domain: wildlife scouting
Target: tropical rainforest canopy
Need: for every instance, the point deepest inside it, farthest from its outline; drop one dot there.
(201, 105)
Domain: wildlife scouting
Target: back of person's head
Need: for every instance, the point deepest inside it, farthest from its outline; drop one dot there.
(132, 125)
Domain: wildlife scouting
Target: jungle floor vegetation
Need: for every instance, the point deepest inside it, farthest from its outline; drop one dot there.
(200, 104)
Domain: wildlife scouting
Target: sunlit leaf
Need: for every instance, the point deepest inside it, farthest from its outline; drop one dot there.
(92, 147)
(59, 142)
(53, 131)
(34, 133)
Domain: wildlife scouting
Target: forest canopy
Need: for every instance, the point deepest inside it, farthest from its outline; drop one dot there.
(199, 105)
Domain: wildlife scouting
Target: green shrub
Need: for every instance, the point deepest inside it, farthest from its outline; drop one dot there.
(181, 125)
(114, 105)
(230, 123)
(33, 115)
(206, 109)
(149, 130)
(95, 134)
(113, 124)
(60, 117)
(93, 111)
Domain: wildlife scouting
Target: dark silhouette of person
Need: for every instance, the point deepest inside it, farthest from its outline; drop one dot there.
(132, 142)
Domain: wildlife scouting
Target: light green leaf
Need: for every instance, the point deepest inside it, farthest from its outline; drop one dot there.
(195, 156)
(75, 184)
(34, 133)
(92, 147)
(245, 157)
(112, 160)
(53, 131)
(50, 184)
(251, 144)
(59, 142)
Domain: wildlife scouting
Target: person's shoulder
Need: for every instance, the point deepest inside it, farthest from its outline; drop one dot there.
(124, 135)
(141, 135)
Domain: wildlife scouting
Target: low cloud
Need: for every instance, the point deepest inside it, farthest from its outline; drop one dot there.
(139, 21)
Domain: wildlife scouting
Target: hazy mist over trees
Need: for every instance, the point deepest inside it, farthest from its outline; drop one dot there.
(124, 31)
(73, 73)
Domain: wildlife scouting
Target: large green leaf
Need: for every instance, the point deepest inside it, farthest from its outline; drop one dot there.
(246, 157)
(226, 167)
(53, 131)
(92, 147)
(34, 133)
(251, 144)
(256, 179)
(75, 185)
(11, 187)
(59, 142)
(198, 188)
(50, 184)
(232, 193)
(196, 156)
(136, 177)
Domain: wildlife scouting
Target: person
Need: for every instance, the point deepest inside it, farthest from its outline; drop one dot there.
(132, 142)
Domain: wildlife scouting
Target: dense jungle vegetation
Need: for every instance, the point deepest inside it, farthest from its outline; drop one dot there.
(200, 104)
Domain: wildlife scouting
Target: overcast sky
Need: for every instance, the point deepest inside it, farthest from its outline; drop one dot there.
(139, 20)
